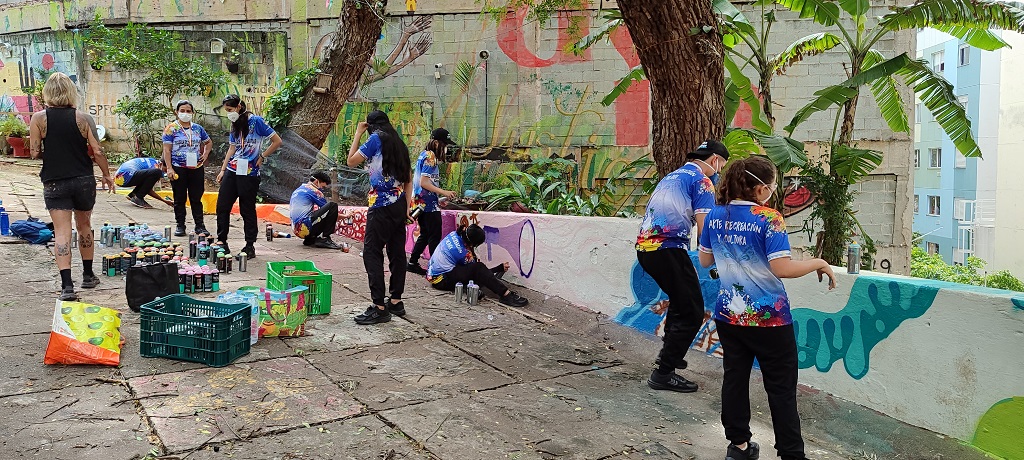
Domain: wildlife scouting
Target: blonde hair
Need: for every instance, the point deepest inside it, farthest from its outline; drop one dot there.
(60, 91)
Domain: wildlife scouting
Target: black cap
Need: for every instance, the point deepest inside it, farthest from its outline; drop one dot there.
(475, 235)
(322, 177)
(231, 100)
(441, 134)
(712, 147)
(377, 117)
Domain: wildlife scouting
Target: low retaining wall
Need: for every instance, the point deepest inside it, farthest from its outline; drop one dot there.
(943, 356)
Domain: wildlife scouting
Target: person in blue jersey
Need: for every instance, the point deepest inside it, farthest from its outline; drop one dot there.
(390, 200)
(143, 174)
(313, 218)
(187, 146)
(251, 141)
(681, 199)
(748, 242)
(455, 261)
(427, 194)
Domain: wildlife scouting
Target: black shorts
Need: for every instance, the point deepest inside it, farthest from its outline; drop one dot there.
(75, 194)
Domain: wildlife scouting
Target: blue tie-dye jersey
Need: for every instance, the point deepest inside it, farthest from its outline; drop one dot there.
(677, 199)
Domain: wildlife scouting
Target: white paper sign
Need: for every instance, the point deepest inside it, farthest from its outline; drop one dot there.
(242, 167)
(191, 159)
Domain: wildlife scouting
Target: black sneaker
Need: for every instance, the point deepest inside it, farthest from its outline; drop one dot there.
(90, 281)
(326, 243)
(752, 452)
(414, 267)
(200, 229)
(397, 309)
(67, 293)
(671, 382)
(250, 251)
(513, 300)
(179, 230)
(373, 315)
(139, 201)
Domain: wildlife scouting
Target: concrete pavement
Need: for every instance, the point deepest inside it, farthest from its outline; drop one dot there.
(447, 381)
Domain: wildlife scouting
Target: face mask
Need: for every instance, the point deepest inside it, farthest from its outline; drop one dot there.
(233, 116)
(714, 177)
(771, 190)
(185, 117)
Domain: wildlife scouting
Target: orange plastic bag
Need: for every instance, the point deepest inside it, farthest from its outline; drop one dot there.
(84, 334)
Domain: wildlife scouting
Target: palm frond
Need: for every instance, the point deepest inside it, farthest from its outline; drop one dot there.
(746, 93)
(612, 21)
(463, 75)
(855, 7)
(731, 17)
(978, 38)
(854, 164)
(937, 95)
(887, 97)
(739, 144)
(635, 74)
(786, 153)
(810, 45)
(967, 20)
(731, 101)
(824, 12)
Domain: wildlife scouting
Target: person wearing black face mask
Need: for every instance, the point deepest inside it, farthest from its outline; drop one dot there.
(678, 205)
(313, 218)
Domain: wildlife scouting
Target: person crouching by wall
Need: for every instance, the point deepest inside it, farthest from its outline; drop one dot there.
(751, 247)
(425, 179)
(455, 261)
(390, 199)
(313, 218)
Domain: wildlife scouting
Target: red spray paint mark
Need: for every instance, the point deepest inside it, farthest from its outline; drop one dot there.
(512, 41)
(47, 61)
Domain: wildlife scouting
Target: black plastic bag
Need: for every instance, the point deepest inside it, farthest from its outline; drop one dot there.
(145, 283)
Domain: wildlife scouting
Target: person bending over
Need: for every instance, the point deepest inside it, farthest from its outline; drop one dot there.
(455, 261)
(143, 174)
(314, 219)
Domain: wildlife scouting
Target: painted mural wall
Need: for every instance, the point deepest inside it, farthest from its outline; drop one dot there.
(943, 356)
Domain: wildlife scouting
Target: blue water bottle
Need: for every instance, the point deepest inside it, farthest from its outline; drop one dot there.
(5, 224)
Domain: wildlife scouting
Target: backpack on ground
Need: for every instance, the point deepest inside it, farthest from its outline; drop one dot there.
(32, 230)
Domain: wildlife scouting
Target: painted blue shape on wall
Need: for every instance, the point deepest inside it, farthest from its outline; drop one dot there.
(647, 294)
(1018, 302)
(877, 306)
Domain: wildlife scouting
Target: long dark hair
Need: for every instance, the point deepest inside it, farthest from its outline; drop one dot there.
(240, 127)
(394, 153)
(470, 234)
(434, 146)
(739, 184)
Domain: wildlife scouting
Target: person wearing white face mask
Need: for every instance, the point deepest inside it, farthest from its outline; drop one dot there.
(239, 176)
(677, 206)
(186, 149)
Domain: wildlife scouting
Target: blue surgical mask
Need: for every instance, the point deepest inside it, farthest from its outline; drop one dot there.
(715, 177)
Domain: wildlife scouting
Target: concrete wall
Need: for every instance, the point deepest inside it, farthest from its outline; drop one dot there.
(938, 355)
(1009, 223)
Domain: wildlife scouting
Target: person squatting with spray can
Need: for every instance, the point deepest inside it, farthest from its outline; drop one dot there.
(749, 243)
(681, 199)
(455, 263)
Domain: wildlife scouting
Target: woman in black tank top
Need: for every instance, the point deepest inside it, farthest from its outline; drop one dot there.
(68, 183)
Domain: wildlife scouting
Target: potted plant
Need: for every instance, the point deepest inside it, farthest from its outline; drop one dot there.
(16, 132)
(232, 59)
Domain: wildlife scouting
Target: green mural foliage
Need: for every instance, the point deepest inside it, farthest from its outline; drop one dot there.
(412, 120)
(1001, 429)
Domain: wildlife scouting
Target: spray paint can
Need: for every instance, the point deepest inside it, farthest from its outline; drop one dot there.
(192, 249)
(460, 292)
(243, 260)
(197, 282)
(202, 254)
(208, 281)
(189, 281)
(221, 263)
(167, 232)
(181, 281)
(74, 238)
(228, 262)
(473, 291)
(853, 258)
(5, 223)
(106, 265)
(270, 232)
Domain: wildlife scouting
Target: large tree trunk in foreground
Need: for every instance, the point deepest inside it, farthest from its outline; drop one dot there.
(685, 71)
(345, 60)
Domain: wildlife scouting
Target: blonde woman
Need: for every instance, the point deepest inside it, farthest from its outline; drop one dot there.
(61, 135)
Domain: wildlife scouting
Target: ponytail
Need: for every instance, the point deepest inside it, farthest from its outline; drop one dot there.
(741, 179)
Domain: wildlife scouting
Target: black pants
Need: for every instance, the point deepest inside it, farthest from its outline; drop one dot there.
(323, 222)
(475, 271)
(430, 235)
(143, 181)
(673, 270)
(190, 185)
(385, 229)
(242, 188)
(775, 350)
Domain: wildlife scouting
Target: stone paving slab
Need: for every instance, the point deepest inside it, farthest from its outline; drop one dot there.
(360, 438)
(190, 408)
(535, 352)
(22, 356)
(409, 372)
(76, 423)
(440, 314)
(338, 331)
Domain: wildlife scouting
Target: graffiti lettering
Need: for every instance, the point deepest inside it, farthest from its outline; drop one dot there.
(512, 40)
(100, 109)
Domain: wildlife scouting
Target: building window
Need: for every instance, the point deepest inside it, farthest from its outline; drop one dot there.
(962, 99)
(959, 208)
(933, 248)
(959, 160)
(917, 158)
(964, 56)
(917, 203)
(934, 158)
(939, 61)
(934, 205)
(917, 112)
(967, 240)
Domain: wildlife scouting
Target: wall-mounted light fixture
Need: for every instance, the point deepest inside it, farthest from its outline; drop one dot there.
(217, 46)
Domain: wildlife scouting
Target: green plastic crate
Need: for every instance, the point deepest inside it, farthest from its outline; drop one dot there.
(320, 287)
(183, 328)
(318, 295)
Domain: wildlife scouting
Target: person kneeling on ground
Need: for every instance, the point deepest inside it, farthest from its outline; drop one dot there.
(313, 218)
(143, 174)
(455, 262)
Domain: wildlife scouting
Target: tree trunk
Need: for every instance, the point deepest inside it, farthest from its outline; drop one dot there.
(685, 71)
(344, 58)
